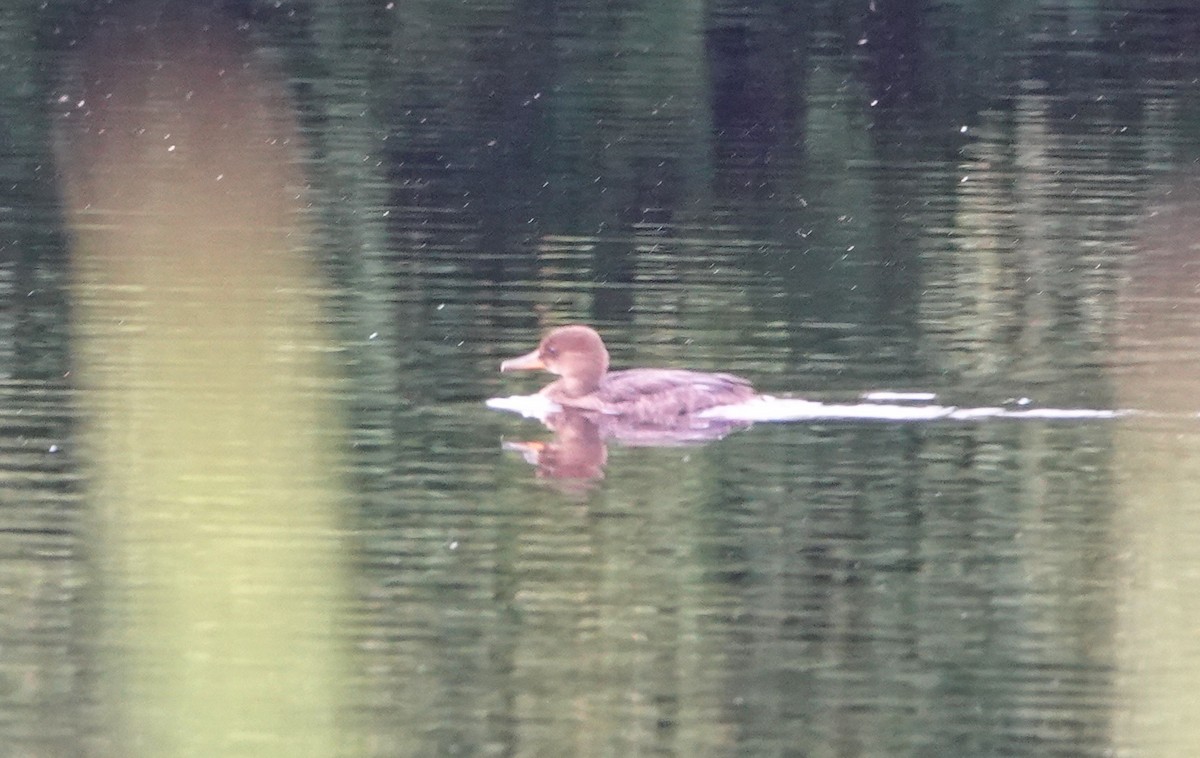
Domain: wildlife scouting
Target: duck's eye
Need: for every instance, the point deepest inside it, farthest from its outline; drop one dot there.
(551, 350)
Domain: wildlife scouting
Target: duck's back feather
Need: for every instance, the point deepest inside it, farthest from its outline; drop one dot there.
(662, 395)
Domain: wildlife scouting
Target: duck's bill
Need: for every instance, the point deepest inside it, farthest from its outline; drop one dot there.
(527, 362)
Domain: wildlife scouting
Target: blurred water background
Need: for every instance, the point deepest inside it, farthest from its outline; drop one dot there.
(259, 263)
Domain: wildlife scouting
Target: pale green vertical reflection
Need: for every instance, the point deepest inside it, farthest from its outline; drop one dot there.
(1157, 465)
(202, 358)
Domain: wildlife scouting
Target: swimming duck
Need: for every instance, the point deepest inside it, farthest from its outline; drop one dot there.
(648, 395)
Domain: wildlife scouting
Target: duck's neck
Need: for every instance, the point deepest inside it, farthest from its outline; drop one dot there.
(578, 385)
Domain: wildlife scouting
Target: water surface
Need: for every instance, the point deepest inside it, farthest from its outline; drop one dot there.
(261, 266)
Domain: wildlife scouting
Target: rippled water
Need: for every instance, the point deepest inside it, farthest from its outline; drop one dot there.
(260, 271)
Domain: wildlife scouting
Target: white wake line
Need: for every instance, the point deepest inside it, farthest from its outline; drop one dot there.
(529, 406)
(778, 409)
(790, 409)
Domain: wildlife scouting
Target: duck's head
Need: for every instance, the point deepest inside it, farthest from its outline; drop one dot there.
(576, 353)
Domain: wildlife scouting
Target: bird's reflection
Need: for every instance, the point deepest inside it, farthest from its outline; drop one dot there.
(576, 454)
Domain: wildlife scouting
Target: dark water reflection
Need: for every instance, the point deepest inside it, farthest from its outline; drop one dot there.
(824, 199)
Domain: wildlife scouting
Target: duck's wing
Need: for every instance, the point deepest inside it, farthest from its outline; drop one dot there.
(667, 394)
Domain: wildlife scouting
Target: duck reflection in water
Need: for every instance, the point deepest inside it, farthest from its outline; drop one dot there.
(635, 407)
(576, 452)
